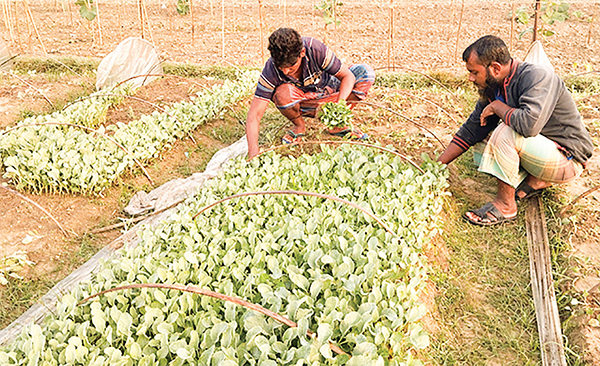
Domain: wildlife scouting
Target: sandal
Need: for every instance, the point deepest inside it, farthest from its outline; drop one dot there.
(529, 191)
(489, 215)
(354, 133)
(291, 138)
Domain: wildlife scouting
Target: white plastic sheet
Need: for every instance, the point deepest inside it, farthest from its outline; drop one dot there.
(536, 55)
(132, 57)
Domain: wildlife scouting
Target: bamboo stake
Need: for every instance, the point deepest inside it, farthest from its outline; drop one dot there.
(139, 9)
(38, 206)
(589, 36)
(462, 9)
(512, 25)
(34, 26)
(536, 20)
(216, 295)
(147, 22)
(334, 142)
(223, 29)
(193, 22)
(260, 26)
(17, 26)
(299, 193)
(98, 21)
(30, 85)
(391, 35)
(7, 19)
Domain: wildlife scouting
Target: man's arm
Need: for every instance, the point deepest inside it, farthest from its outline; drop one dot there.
(257, 109)
(452, 152)
(347, 82)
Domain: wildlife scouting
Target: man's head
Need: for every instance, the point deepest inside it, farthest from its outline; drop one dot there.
(286, 47)
(487, 61)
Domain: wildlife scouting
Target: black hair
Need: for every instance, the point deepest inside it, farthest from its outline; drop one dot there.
(488, 49)
(285, 45)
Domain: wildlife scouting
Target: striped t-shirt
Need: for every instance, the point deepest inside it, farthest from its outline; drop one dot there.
(318, 67)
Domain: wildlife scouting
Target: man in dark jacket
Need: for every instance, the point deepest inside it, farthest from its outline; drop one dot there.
(535, 136)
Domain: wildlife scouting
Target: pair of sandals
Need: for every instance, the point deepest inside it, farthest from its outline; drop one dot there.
(293, 138)
(490, 215)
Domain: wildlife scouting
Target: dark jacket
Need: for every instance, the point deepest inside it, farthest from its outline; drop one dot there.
(541, 104)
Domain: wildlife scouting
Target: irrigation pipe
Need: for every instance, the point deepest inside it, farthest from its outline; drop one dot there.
(38, 206)
(403, 116)
(428, 101)
(30, 85)
(216, 295)
(300, 193)
(404, 157)
(584, 194)
(87, 129)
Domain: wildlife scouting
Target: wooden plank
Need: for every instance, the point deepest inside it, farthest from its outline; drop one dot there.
(542, 285)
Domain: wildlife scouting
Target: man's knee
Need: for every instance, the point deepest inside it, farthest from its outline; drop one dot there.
(503, 135)
(283, 96)
(365, 77)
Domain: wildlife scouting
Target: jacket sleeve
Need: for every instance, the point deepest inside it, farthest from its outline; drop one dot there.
(539, 91)
(471, 132)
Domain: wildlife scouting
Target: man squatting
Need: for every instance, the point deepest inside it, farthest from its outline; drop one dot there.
(301, 74)
(536, 135)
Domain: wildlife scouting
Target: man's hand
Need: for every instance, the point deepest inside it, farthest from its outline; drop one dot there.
(496, 107)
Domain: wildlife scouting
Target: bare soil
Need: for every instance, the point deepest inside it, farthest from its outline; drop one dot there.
(427, 35)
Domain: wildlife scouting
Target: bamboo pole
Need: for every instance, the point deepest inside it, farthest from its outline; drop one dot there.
(589, 35)
(7, 19)
(193, 22)
(98, 21)
(512, 25)
(391, 35)
(536, 20)
(30, 17)
(38, 206)
(17, 27)
(260, 26)
(223, 29)
(139, 9)
(145, 15)
(462, 9)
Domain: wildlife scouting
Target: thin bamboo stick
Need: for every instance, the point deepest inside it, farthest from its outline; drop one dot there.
(217, 295)
(589, 35)
(38, 206)
(462, 9)
(391, 35)
(512, 25)
(139, 9)
(147, 22)
(193, 22)
(98, 21)
(536, 20)
(260, 26)
(17, 26)
(7, 19)
(223, 29)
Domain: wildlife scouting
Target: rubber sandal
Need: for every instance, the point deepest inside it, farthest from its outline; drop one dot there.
(529, 191)
(291, 138)
(489, 215)
(355, 133)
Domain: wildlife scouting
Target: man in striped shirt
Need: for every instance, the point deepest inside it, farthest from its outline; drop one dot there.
(525, 129)
(301, 74)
